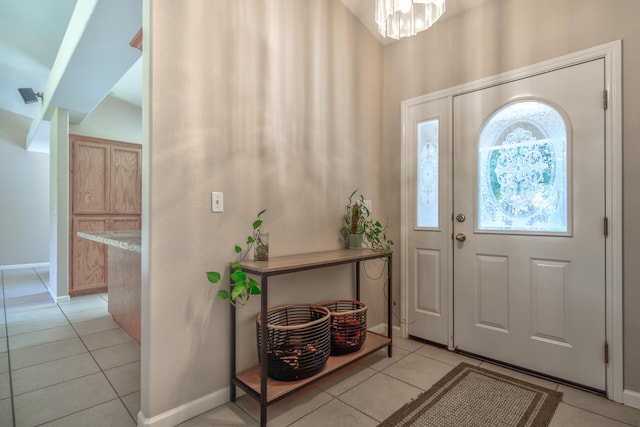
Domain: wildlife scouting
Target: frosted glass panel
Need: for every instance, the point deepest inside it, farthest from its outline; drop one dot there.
(522, 169)
(427, 184)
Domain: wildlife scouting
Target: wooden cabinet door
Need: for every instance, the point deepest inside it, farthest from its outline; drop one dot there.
(89, 261)
(125, 180)
(89, 175)
(124, 223)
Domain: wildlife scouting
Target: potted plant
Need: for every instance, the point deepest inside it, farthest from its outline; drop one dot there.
(360, 228)
(354, 221)
(242, 286)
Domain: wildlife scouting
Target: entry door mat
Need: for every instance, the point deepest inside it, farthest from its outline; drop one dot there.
(475, 397)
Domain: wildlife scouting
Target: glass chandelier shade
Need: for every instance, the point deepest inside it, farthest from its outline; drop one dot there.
(404, 18)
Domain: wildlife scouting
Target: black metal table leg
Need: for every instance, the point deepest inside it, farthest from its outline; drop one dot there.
(389, 304)
(263, 351)
(232, 384)
(358, 281)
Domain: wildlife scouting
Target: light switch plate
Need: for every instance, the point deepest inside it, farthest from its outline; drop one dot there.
(217, 202)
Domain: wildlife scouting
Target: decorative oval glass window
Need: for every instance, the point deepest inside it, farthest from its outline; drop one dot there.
(522, 169)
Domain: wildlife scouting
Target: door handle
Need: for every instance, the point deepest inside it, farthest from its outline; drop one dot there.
(460, 237)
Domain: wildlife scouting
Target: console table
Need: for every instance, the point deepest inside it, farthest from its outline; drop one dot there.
(254, 380)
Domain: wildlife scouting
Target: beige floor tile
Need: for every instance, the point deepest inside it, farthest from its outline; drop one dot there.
(4, 362)
(5, 386)
(380, 396)
(51, 403)
(47, 352)
(569, 416)
(345, 379)
(600, 405)
(117, 355)
(36, 314)
(51, 373)
(29, 302)
(105, 339)
(132, 402)
(287, 410)
(84, 315)
(15, 291)
(225, 415)
(419, 371)
(109, 414)
(336, 414)
(6, 413)
(100, 324)
(446, 356)
(82, 303)
(125, 379)
(37, 325)
(380, 359)
(406, 344)
(41, 337)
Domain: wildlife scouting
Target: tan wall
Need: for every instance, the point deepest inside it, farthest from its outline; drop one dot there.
(278, 105)
(24, 195)
(112, 119)
(502, 35)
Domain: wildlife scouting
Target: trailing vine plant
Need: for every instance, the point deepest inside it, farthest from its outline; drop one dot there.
(243, 286)
(357, 220)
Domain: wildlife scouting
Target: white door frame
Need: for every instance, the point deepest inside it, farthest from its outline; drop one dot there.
(612, 53)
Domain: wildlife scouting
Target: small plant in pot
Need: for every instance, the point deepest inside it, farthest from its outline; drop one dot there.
(359, 228)
(243, 286)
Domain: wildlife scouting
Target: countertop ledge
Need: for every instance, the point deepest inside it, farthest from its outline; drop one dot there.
(123, 239)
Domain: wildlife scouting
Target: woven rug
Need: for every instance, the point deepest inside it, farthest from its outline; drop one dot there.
(475, 397)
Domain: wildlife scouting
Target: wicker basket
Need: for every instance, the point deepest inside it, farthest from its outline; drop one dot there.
(298, 341)
(348, 325)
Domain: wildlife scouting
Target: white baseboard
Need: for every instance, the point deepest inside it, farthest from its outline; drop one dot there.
(57, 300)
(17, 266)
(186, 411)
(189, 410)
(382, 329)
(631, 398)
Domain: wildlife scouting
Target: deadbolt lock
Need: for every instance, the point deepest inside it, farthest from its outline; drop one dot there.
(460, 217)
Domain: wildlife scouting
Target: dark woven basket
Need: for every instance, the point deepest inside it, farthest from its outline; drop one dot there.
(348, 325)
(298, 341)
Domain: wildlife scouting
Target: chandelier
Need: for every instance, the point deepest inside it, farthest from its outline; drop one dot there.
(404, 18)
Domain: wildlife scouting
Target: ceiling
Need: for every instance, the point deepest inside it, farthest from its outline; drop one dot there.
(75, 52)
(33, 31)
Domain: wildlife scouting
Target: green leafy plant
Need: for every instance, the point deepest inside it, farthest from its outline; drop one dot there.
(357, 220)
(355, 217)
(243, 286)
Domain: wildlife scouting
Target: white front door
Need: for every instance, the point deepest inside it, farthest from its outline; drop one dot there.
(429, 238)
(529, 209)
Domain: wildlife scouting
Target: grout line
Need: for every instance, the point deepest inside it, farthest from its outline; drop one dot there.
(78, 336)
(6, 338)
(100, 367)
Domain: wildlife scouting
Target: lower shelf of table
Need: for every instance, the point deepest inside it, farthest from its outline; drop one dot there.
(278, 389)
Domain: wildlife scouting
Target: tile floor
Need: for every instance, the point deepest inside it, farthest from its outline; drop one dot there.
(66, 364)
(71, 365)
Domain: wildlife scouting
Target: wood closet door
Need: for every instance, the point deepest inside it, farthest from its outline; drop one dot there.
(124, 223)
(89, 261)
(89, 174)
(125, 180)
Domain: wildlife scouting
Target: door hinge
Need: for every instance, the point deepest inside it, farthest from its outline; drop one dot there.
(606, 352)
(606, 227)
(605, 99)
